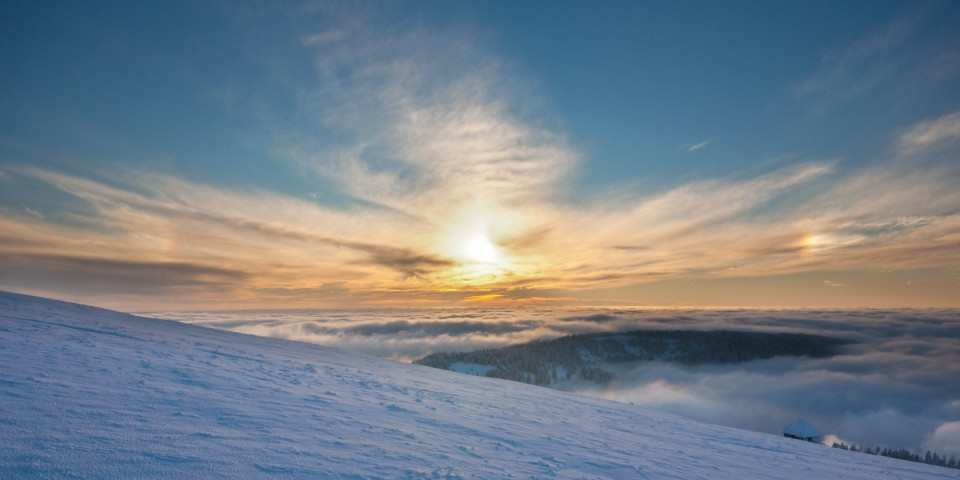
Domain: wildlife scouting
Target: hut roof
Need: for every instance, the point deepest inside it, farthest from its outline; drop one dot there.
(802, 428)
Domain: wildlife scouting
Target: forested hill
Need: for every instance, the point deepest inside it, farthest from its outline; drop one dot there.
(582, 357)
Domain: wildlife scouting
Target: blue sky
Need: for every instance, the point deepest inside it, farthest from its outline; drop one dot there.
(666, 153)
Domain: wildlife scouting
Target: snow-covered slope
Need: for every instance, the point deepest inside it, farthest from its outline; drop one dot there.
(90, 393)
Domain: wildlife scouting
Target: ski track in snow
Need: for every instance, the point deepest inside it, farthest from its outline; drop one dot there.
(89, 393)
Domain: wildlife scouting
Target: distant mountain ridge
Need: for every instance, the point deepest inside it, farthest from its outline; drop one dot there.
(582, 356)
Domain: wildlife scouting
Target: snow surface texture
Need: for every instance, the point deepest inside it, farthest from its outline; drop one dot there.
(90, 393)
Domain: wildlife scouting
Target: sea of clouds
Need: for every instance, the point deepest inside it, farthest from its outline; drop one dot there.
(897, 386)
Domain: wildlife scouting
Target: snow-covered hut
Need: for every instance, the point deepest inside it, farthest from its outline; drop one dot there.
(803, 430)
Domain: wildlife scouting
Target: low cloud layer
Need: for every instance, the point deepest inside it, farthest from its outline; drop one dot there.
(898, 386)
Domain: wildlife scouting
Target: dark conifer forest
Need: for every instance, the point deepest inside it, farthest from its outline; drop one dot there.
(582, 357)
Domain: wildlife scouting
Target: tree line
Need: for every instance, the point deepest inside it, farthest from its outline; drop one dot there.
(931, 458)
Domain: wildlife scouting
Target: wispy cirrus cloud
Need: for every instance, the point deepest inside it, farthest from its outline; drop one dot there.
(912, 55)
(278, 247)
(438, 122)
(941, 131)
(267, 239)
(852, 70)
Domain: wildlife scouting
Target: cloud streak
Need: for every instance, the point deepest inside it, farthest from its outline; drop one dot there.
(943, 130)
(851, 71)
(698, 146)
(874, 218)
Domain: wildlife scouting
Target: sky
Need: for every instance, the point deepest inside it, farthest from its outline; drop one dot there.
(228, 155)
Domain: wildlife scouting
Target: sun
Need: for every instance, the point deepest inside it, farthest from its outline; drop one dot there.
(481, 250)
(477, 242)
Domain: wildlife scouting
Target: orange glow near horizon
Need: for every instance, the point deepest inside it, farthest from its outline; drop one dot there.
(483, 298)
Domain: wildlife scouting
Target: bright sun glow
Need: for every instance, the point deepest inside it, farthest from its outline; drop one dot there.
(482, 250)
